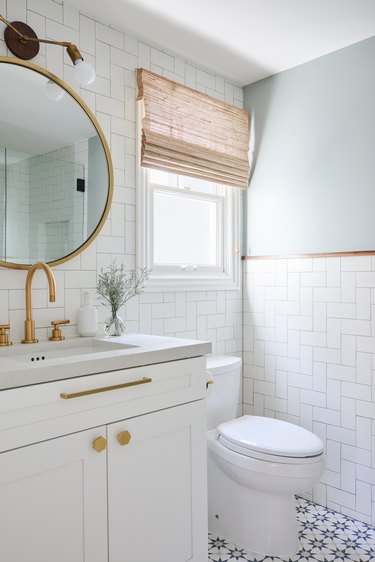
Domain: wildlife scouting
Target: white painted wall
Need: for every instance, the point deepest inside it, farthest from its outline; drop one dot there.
(208, 315)
(309, 358)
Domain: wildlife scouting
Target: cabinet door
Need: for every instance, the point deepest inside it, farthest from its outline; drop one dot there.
(53, 505)
(157, 487)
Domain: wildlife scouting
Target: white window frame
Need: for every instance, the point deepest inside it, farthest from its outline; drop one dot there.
(172, 278)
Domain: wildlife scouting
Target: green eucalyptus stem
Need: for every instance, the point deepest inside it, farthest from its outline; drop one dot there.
(116, 285)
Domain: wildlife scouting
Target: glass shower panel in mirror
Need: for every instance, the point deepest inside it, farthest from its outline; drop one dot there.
(2, 203)
(43, 203)
(17, 205)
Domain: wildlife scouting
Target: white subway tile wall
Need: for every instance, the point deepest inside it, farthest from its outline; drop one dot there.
(111, 97)
(309, 358)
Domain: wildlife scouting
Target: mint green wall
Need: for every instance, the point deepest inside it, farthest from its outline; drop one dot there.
(313, 179)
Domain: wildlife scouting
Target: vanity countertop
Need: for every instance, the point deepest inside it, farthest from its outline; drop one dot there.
(143, 350)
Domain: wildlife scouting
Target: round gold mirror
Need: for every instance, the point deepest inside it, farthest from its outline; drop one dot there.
(56, 176)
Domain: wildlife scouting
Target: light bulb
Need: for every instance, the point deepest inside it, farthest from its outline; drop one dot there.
(53, 91)
(84, 72)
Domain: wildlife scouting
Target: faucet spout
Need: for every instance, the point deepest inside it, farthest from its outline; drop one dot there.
(29, 322)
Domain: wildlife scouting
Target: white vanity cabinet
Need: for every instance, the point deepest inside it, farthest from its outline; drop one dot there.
(53, 501)
(141, 495)
(156, 487)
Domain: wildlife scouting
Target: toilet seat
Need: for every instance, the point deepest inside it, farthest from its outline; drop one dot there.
(271, 468)
(270, 439)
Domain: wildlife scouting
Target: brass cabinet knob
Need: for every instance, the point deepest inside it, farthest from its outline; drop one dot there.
(123, 437)
(4, 337)
(99, 444)
(56, 332)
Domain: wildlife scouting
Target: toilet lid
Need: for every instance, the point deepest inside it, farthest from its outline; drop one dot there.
(218, 364)
(270, 436)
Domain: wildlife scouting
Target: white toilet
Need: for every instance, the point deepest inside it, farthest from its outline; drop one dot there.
(255, 466)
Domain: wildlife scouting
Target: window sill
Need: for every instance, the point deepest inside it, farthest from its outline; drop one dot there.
(163, 283)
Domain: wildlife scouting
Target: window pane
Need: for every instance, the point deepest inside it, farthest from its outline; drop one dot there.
(162, 178)
(186, 229)
(202, 186)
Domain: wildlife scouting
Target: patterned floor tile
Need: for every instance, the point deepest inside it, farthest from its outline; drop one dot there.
(325, 536)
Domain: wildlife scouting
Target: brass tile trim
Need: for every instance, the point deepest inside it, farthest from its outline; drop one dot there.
(311, 255)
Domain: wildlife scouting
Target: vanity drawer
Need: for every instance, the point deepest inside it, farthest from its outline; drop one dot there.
(40, 412)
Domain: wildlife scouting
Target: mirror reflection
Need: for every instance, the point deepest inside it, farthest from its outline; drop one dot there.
(54, 172)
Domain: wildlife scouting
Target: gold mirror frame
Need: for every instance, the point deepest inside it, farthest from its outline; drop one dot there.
(91, 116)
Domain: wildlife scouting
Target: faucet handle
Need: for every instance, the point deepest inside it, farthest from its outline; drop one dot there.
(56, 332)
(4, 336)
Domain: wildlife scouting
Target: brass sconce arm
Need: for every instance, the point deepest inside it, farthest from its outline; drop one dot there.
(72, 49)
(12, 27)
(23, 42)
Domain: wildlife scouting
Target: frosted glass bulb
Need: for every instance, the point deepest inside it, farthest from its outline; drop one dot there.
(84, 72)
(53, 91)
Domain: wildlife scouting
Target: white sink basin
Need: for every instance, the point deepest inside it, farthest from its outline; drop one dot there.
(28, 364)
(44, 351)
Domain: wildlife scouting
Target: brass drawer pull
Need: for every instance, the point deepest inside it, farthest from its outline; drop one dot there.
(67, 396)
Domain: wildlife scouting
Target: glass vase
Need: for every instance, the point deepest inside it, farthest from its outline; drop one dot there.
(114, 325)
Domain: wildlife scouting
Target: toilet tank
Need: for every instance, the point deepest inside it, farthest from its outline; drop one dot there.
(222, 396)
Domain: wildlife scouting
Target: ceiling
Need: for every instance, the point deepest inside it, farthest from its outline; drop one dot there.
(244, 40)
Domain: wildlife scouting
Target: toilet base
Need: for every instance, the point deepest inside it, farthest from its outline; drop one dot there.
(257, 521)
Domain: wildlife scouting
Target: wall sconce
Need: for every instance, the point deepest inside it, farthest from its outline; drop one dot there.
(23, 42)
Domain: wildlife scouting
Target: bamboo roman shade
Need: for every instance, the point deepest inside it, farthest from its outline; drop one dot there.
(190, 133)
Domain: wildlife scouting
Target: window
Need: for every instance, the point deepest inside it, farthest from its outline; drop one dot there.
(188, 231)
(192, 147)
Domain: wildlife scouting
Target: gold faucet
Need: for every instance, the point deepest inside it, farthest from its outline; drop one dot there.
(29, 322)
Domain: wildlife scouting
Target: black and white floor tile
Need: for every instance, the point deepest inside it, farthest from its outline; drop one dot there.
(325, 536)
